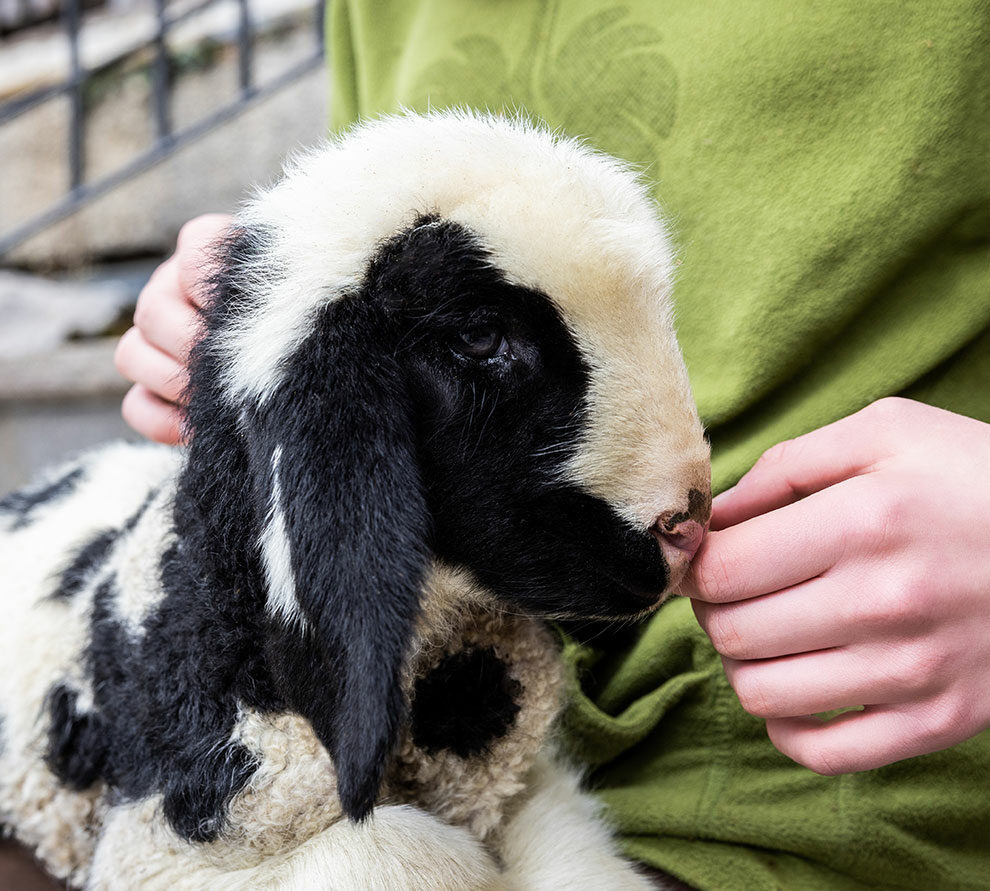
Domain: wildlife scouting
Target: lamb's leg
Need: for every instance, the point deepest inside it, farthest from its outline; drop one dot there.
(400, 848)
(557, 840)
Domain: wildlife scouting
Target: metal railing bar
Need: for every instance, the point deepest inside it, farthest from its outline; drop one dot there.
(188, 13)
(23, 14)
(160, 77)
(12, 108)
(76, 84)
(21, 104)
(244, 48)
(158, 153)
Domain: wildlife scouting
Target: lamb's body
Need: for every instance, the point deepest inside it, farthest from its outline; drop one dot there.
(102, 628)
(438, 396)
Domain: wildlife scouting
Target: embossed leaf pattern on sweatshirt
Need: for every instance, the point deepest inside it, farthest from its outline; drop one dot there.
(481, 72)
(605, 56)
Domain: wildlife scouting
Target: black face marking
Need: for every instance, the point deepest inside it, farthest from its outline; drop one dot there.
(464, 704)
(495, 432)
(24, 503)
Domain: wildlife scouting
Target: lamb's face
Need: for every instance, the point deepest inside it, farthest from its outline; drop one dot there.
(526, 281)
(504, 401)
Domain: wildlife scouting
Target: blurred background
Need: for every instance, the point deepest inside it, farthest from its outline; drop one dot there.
(119, 121)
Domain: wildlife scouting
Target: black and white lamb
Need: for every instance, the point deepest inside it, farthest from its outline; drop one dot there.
(437, 400)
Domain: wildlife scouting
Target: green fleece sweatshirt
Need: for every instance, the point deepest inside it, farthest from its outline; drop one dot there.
(825, 170)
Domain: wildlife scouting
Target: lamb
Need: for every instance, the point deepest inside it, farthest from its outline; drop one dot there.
(438, 399)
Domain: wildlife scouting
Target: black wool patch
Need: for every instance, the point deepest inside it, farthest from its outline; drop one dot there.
(464, 704)
(166, 703)
(77, 741)
(195, 804)
(86, 561)
(23, 503)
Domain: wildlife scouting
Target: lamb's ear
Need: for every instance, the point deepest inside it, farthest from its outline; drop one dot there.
(344, 542)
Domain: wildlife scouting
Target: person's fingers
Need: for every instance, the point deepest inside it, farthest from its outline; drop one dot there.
(818, 614)
(164, 316)
(866, 739)
(152, 416)
(195, 254)
(166, 323)
(810, 683)
(796, 468)
(787, 546)
(143, 363)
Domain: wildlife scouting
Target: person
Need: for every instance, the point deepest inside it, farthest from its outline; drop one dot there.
(826, 175)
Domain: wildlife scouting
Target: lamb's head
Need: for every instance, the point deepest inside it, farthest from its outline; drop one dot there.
(444, 338)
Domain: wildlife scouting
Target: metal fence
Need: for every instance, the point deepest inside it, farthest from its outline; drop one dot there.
(167, 140)
(18, 14)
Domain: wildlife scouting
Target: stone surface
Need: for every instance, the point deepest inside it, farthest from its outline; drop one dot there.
(39, 57)
(59, 396)
(72, 371)
(145, 214)
(37, 314)
(37, 434)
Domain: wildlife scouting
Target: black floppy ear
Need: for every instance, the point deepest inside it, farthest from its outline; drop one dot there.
(306, 510)
(336, 443)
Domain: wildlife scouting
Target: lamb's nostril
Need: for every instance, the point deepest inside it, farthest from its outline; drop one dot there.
(684, 537)
(700, 505)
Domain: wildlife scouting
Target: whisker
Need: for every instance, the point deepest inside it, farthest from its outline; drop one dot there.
(484, 425)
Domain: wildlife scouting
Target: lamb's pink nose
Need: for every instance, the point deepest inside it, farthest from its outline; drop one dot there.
(680, 533)
(682, 540)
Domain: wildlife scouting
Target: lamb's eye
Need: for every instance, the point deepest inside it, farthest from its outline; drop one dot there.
(481, 342)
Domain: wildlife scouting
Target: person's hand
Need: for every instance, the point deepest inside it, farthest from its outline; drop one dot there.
(851, 567)
(154, 352)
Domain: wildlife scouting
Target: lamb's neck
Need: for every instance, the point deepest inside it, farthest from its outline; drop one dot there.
(482, 684)
(457, 614)
(451, 600)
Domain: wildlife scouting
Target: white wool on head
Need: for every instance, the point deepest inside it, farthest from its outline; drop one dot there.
(547, 208)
